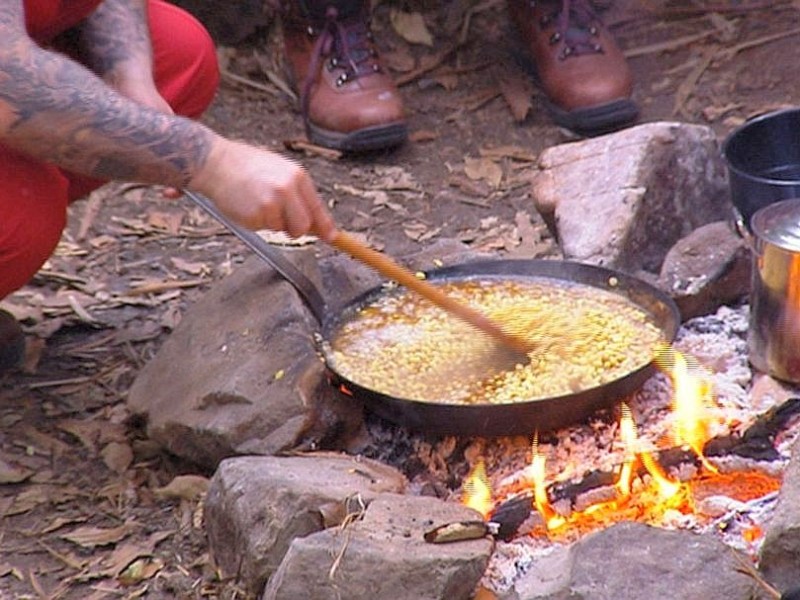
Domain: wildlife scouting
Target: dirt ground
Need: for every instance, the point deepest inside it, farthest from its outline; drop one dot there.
(89, 508)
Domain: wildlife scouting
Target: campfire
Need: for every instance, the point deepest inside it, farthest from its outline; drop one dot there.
(650, 482)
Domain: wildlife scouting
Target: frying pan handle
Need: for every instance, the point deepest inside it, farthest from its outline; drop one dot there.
(274, 257)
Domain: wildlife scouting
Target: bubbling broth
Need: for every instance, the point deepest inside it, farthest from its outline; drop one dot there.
(403, 346)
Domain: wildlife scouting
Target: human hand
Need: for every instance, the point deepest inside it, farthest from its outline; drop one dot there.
(260, 189)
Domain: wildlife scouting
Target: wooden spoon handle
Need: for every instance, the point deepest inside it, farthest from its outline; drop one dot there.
(394, 271)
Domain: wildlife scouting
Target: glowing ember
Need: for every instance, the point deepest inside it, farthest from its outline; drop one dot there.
(477, 491)
(642, 491)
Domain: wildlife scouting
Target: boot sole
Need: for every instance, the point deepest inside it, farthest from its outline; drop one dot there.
(379, 137)
(588, 121)
(596, 120)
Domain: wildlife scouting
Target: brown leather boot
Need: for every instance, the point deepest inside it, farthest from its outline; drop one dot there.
(578, 64)
(349, 101)
(12, 343)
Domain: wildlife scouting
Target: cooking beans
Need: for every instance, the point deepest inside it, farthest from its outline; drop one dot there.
(403, 346)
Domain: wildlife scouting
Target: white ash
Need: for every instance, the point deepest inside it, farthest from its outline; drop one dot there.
(718, 342)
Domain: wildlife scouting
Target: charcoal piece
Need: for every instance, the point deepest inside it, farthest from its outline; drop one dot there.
(571, 490)
(773, 421)
(757, 442)
(509, 515)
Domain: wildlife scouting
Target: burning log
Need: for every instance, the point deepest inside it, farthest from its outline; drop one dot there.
(510, 514)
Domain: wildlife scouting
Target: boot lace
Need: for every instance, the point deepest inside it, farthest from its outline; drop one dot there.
(346, 45)
(576, 25)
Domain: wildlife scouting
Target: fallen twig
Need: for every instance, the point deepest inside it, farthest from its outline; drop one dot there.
(689, 84)
(731, 52)
(674, 44)
(232, 77)
(297, 145)
(162, 286)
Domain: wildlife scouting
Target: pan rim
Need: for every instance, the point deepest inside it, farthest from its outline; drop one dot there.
(591, 275)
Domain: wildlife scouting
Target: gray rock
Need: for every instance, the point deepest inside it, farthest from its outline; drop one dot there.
(623, 199)
(631, 561)
(780, 552)
(709, 267)
(240, 373)
(257, 505)
(384, 556)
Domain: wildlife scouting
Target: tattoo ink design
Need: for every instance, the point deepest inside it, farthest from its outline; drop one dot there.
(115, 33)
(62, 113)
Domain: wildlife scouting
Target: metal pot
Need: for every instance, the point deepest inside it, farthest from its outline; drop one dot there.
(763, 159)
(774, 333)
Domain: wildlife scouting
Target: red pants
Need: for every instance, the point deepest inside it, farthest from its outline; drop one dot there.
(34, 196)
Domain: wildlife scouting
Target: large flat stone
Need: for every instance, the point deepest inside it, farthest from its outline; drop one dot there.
(631, 561)
(257, 505)
(780, 552)
(384, 556)
(622, 200)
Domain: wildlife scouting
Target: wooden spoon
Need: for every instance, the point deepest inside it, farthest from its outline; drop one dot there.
(391, 270)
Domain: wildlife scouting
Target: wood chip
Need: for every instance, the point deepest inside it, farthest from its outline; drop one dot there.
(457, 532)
(299, 145)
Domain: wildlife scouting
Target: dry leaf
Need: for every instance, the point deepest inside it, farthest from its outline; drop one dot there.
(485, 169)
(448, 81)
(377, 196)
(423, 135)
(184, 487)
(118, 456)
(280, 238)
(125, 554)
(171, 222)
(513, 152)
(411, 27)
(399, 60)
(395, 178)
(59, 522)
(140, 570)
(518, 94)
(45, 442)
(89, 537)
(87, 432)
(12, 473)
(193, 268)
(529, 236)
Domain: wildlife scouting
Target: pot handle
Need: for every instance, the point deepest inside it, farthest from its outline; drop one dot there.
(272, 256)
(740, 227)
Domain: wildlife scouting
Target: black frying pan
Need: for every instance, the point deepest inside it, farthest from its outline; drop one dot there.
(519, 418)
(489, 420)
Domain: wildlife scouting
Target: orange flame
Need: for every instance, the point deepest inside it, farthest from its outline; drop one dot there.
(666, 487)
(551, 518)
(693, 397)
(629, 437)
(477, 492)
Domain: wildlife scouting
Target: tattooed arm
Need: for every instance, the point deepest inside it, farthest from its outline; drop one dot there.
(115, 41)
(58, 111)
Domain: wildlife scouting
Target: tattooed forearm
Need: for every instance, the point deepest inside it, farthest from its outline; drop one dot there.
(62, 113)
(115, 34)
